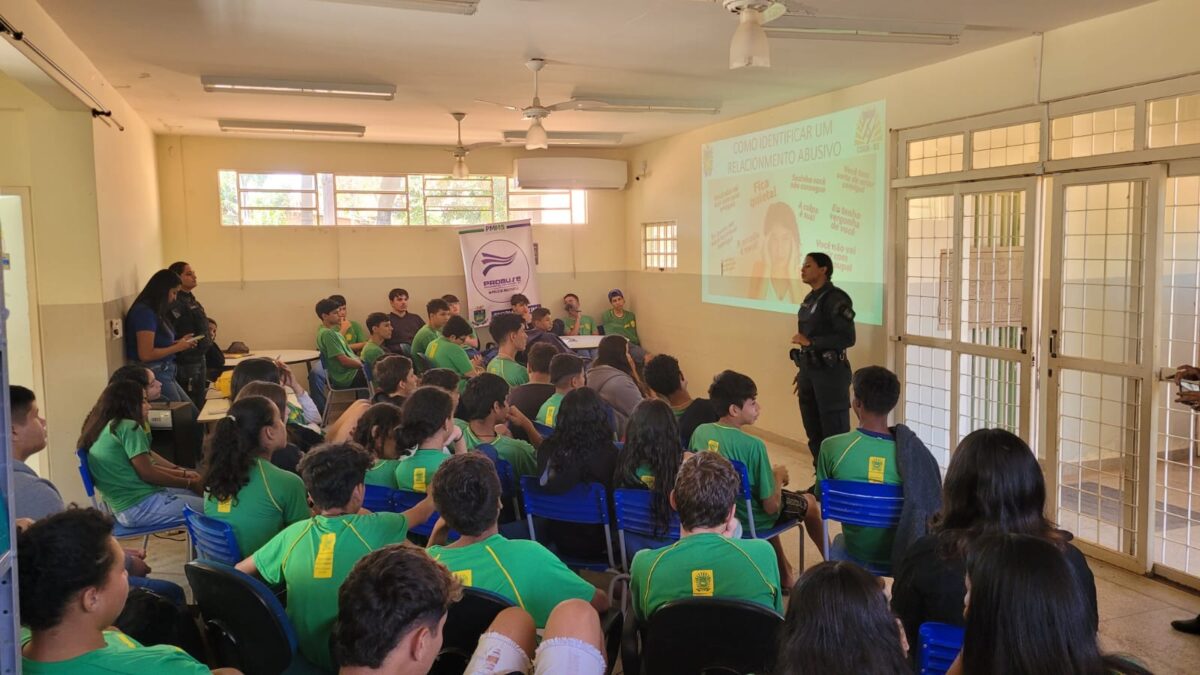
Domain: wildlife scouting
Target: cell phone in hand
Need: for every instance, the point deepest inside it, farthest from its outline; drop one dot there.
(1189, 385)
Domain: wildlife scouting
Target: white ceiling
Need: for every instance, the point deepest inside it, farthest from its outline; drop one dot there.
(154, 51)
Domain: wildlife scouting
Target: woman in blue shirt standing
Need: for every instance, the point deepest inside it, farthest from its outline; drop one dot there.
(149, 336)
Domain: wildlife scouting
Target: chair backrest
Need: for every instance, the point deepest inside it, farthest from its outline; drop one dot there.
(861, 503)
(940, 644)
(85, 474)
(212, 538)
(378, 498)
(403, 500)
(422, 362)
(584, 503)
(696, 635)
(635, 523)
(508, 476)
(247, 627)
(465, 622)
(543, 430)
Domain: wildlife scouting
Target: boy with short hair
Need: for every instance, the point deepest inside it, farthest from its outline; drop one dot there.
(381, 331)
(447, 351)
(663, 376)
(707, 561)
(33, 496)
(394, 379)
(619, 320)
(487, 412)
(520, 306)
(405, 324)
(508, 330)
(356, 336)
(313, 556)
(467, 495)
(439, 313)
(345, 371)
(531, 395)
(735, 398)
(566, 372)
(577, 323)
(456, 310)
(542, 332)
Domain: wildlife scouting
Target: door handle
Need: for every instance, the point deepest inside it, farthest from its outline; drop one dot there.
(1054, 343)
(1024, 332)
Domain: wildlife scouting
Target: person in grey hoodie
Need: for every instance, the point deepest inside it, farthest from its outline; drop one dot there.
(615, 379)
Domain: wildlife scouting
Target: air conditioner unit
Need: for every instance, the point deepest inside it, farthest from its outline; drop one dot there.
(578, 173)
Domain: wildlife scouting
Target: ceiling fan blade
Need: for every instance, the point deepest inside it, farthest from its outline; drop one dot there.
(577, 104)
(476, 146)
(502, 105)
(774, 11)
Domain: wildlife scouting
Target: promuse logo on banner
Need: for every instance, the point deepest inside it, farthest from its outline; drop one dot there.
(500, 269)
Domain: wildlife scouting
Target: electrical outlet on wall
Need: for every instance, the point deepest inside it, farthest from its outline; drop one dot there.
(116, 330)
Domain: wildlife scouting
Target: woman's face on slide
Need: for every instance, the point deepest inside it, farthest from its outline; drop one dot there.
(780, 246)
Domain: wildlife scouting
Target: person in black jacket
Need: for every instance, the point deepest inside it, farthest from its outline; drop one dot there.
(993, 486)
(188, 318)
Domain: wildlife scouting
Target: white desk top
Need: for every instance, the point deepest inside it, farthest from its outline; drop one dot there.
(285, 355)
(216, 406)
(582, 341)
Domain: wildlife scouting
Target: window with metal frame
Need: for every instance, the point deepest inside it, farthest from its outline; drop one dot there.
(547, 207)
(1096, 132)
(1173, 121)
(269, 198)
(935, 155)
(660, 243)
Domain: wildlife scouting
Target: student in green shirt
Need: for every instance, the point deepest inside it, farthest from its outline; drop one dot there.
(467, 496)
(242, 487)
(577, 323)
(706, 561)
(439, 313)
(142, 488)
(447, 351)
(566, 374)
(381, 331)
(651, 457)
(73, 586)
(375, 431)
(489, 415)
(356, 337)
(455, 310)
(427, 430)
(867, 454)
(345, 371)
(735, 398)
(508, 330)
(313, 556)
(618, 320)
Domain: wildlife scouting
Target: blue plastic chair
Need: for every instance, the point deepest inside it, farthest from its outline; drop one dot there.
(377, 498)
(509, 485)
(852, 502)
(246, 625)
(119, 530)
(635, 524)
(543, 430)
(585, 504)
(749, 531)
(212, 539)
(403, 500)
(940, 644)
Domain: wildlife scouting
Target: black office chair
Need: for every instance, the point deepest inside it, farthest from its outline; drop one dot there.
(466, 621)
(244, 621)
(695, 636)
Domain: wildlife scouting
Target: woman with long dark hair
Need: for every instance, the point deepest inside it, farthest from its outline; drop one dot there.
(242, 486)
(141, 491)
(838, 621)
(580, 451)
(426, 431)
(1026, 614)
(651, 457)
(994, 485)
(615, 379)
(375, 431)
(150, 336)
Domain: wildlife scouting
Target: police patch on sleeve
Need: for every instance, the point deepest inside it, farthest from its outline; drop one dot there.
(846, 312)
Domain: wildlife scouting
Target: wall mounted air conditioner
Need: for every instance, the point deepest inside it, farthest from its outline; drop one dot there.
(578, 173)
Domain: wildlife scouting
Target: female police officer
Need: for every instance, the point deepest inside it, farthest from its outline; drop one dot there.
(824, 331)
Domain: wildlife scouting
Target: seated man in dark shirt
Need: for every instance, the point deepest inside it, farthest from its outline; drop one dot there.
(664, 377)
(405, 324)
(529, 397)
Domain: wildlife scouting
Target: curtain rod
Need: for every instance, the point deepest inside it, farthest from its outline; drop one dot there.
(99, 111)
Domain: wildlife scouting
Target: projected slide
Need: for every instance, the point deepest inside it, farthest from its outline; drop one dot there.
(774, 195)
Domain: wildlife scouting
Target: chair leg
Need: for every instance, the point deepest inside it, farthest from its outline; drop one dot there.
(145, 543)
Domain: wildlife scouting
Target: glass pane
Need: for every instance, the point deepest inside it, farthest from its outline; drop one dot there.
(352, 217)
(298, 200)
(927, 398)
(989, 394)
(993, 268)
(930, 246)
(371, 183)
(279, 217)
(367, 200)
(277, 181)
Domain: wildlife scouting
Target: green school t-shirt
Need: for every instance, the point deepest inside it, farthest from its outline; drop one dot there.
(442, 353)
(355, 334)
(424, 337)
(120, 655)
(626, 325)
(415, 472)
(109, 460)
(521, 570)
(587, 325)
(646, 475)
(706, 565)
(519, 453)
(371, 353)
(331, 343)
(270, 501)
(313, 557)
(383, 472)
(513, 373)
(549, 410)
(867, 457)
(737, 445)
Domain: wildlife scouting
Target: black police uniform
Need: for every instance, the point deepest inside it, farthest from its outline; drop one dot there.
(826, 317)
(187, 316)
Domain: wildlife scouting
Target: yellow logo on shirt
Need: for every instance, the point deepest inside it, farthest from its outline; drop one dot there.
(550, 415)
(431, 350)
(323, 565)
(419, 479)
(714, 446)
(702, 583)
(649, 481)
(464, 577)
(875, 468)
(225, 505)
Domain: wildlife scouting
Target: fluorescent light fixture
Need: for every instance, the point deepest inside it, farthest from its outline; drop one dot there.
(865, 30)
(466, 7)
(602, 103)
(569, 138)
(863, 36)
(258, 85)
(295, 128)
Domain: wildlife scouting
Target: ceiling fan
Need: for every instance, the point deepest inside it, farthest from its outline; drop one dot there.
(536, 138)
(749, 47)
(461, 151)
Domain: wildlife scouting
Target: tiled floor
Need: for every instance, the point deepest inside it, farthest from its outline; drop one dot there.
(1135, 612)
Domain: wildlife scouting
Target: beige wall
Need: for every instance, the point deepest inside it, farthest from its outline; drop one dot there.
(282, 272)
